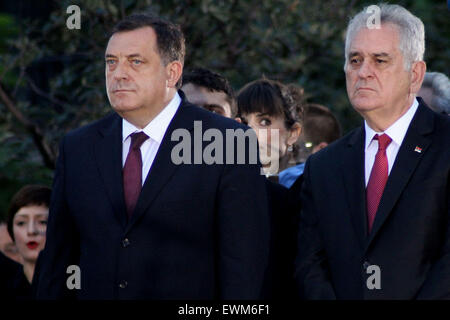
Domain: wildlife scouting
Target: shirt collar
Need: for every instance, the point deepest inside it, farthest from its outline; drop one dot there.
(158, 126)
(397, 130)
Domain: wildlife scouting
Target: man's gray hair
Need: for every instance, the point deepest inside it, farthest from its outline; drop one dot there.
(440, 88)
(411, 30)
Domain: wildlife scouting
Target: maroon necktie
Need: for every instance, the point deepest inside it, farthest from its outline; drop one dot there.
(378, 179)
(132, 172)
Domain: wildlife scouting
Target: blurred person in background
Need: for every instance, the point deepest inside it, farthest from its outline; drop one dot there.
(274, 110)
(435, 92)
(7, 246)
(27, 225)
(210, 91)
(320, 128)
(265, 104)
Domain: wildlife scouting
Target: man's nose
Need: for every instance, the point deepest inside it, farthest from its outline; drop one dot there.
(365, 70)
(121, 71)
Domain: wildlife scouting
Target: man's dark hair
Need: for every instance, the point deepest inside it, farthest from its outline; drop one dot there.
(169, 37)
(320, 124)
(213, 82)
(27, 196)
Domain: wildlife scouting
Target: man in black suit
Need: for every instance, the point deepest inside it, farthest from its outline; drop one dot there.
(194, 231)
(375, 219)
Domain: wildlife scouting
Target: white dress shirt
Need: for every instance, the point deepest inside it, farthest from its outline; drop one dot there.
(396, 132)
(155, 130)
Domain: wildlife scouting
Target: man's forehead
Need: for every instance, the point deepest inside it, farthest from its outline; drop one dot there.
(133, 41)
(383, 41)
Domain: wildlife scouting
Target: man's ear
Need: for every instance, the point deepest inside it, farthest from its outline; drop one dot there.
(418, 70)
(174, 70)
(320, 146)
(294, 134)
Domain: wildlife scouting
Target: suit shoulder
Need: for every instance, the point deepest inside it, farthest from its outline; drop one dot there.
(92, 128)
(443, 122)
(442, 131)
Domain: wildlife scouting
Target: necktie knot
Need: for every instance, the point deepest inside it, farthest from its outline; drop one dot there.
(383, 141)
(137, 139)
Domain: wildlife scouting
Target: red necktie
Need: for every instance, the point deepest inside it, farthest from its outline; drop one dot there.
(132, 172)
(378, 178)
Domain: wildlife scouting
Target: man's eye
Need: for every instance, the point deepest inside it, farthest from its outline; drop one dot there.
(215, 110)
(136, 62)
(379, 61)
(110, 62)
(354, 60)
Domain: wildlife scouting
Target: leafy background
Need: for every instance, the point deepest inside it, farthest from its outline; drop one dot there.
(53, 77)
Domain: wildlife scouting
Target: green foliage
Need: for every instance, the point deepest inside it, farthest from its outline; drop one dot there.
(295, 41)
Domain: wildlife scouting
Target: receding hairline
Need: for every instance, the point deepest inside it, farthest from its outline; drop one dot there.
(134, 30)
(383, 25)
(155, 47)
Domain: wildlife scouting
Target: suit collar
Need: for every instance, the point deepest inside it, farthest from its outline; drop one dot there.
(108, 155)
(397, 130)
(163, 167)
(417, 138)
(107, 149)
(352, 164)
(156, 128)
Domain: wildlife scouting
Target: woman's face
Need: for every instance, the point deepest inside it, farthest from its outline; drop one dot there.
(29, 227)
(273, 138)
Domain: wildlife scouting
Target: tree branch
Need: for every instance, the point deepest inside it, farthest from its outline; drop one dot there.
(44, 148)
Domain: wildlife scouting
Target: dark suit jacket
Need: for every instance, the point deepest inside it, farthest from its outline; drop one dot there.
(198, 231)
(410, 239)
(284, 224)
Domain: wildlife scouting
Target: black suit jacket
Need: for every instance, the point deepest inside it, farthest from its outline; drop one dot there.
(410, 239)
(283, 225)
(198, 231)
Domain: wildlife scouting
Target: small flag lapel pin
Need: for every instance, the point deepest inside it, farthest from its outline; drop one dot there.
(418, 149)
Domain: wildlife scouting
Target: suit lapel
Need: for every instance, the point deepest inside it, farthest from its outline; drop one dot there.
(163, 167)
(108, 155)
(352, 162)
(404, 166)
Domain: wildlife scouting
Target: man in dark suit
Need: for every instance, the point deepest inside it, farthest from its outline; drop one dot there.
(213, 92)
(194, 231)
(375, 219)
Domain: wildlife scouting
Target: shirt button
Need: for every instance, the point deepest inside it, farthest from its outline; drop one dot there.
(123, 284)
(125, 243)
(366, 264)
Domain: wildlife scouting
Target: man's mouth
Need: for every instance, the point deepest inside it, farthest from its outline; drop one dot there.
(32, 245)
(364, 88)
